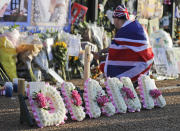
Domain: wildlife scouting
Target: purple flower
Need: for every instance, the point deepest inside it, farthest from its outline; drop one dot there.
(76, 98)
(155, 93)
(128, 92)
(102, 100)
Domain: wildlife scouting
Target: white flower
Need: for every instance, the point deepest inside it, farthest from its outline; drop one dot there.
(109, 109)
(46, 118)
(113, 88)
(132, 104)
(159, 101)
(145, 87)
(94, 91)
(77, 111)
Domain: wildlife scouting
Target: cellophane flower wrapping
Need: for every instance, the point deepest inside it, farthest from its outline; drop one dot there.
(8, 57)
(132, 101)
(113, 87)
(29, 47)
(73, 101)
(59, 51)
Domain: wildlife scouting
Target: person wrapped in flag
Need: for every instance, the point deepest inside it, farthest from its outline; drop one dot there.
(130, 53)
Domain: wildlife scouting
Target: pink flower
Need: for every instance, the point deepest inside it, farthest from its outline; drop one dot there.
(128, 92)
(76, 98)
(102, 100)
(155, 93)
(41, 100)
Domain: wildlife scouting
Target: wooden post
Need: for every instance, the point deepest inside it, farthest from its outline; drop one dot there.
(87, 62)
(21, 87)
(172, 18)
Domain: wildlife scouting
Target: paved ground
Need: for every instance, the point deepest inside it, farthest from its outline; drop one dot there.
(165, 119)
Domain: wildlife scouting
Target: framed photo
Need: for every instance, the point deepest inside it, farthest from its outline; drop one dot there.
(51, 13)
(78, 13)
(15, 12)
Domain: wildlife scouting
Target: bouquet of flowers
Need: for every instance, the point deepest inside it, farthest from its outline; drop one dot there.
(113, 87)
(129, 94)
(150, 95)
(29, 47)
(59, 51)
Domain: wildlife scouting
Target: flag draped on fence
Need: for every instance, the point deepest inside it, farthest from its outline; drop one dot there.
(130, 53)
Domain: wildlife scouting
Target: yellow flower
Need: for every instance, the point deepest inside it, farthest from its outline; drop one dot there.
(64, 44)
(75, 58)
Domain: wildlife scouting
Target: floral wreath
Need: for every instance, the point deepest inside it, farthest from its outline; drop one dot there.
(113, 87)
(96, 100)
(73, 101)
(130, 96)
(47, 105)
(149, 94)
(104, 102)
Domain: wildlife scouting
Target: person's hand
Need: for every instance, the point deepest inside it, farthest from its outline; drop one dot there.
(96, 55)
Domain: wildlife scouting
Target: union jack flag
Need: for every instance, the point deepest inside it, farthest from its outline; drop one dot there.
(130, 54)
(121, 11)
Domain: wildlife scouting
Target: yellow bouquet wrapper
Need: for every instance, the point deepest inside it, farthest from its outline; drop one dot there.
(8, 57)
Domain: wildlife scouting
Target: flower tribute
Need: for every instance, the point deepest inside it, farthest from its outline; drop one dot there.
(47, 105)
(96, 100)
(128, 92)
(73, 101)
(59, 51)
(130, 96)
(40, 99)
(150, 95)
(113, 87)
(76, 98)
(155, 93)
(102, 100)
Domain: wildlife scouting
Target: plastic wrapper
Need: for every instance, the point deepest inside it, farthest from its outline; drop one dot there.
(41, 60)
(8, 57)
(161, 39)
(97, 33)
(29, 43)
(29, 47)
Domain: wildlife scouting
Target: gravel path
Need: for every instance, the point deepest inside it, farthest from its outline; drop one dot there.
(157, 119)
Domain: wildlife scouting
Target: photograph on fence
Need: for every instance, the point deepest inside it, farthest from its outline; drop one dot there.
(15, 11)
(50, 12)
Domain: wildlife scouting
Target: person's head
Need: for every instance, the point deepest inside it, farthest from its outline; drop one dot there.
(120, 15)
